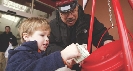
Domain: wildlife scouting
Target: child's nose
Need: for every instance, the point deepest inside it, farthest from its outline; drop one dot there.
(47, 39)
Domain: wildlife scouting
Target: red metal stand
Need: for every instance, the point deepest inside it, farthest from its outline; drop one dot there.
(91, 25)
(126, 47)
(131, 3)
(115, 56)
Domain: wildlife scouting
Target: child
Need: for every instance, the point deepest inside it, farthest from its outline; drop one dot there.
(31, 56)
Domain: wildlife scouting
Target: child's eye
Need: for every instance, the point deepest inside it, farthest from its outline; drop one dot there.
(42, 35)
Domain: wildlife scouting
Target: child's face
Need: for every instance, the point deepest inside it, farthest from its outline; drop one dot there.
(42, 39)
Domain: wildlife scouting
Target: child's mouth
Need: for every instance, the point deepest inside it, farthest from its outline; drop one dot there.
(45, 45)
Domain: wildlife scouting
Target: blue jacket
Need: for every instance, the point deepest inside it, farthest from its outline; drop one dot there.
(26, 58)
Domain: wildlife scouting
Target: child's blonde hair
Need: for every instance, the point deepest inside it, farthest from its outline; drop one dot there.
(33, 24)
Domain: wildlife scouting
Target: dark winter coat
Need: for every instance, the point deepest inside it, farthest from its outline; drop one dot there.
(60, 36)
(26, 58)
(5, 39)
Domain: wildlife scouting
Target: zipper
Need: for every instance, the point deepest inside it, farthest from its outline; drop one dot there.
(82, 29)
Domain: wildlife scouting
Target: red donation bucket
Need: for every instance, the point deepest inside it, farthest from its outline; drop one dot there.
(106, 58)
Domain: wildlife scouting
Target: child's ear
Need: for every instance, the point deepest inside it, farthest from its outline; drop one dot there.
(25, 36)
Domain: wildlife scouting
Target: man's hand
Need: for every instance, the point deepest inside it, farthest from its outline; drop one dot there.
(107, 41)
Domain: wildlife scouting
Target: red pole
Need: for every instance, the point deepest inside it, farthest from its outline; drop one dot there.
(126, 47)
(91, 25)
(131, 3)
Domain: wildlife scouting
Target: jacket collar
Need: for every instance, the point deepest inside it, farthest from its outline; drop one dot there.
(30, 45)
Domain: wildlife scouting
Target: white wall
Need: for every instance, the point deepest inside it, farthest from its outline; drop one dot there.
(52, 16)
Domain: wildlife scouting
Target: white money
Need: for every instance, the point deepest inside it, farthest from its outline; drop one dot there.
(83, 51)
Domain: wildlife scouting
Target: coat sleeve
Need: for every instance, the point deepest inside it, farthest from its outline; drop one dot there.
(23, 62)
(98, 31)
(13, 41)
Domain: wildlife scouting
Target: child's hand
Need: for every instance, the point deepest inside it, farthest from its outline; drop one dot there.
(70, 52)
(70, 62)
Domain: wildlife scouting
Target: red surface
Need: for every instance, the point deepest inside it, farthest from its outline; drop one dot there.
(106, 58)
(62, 2)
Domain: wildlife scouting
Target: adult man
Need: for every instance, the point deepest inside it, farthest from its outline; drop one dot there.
(6, 38)
(71, 26)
